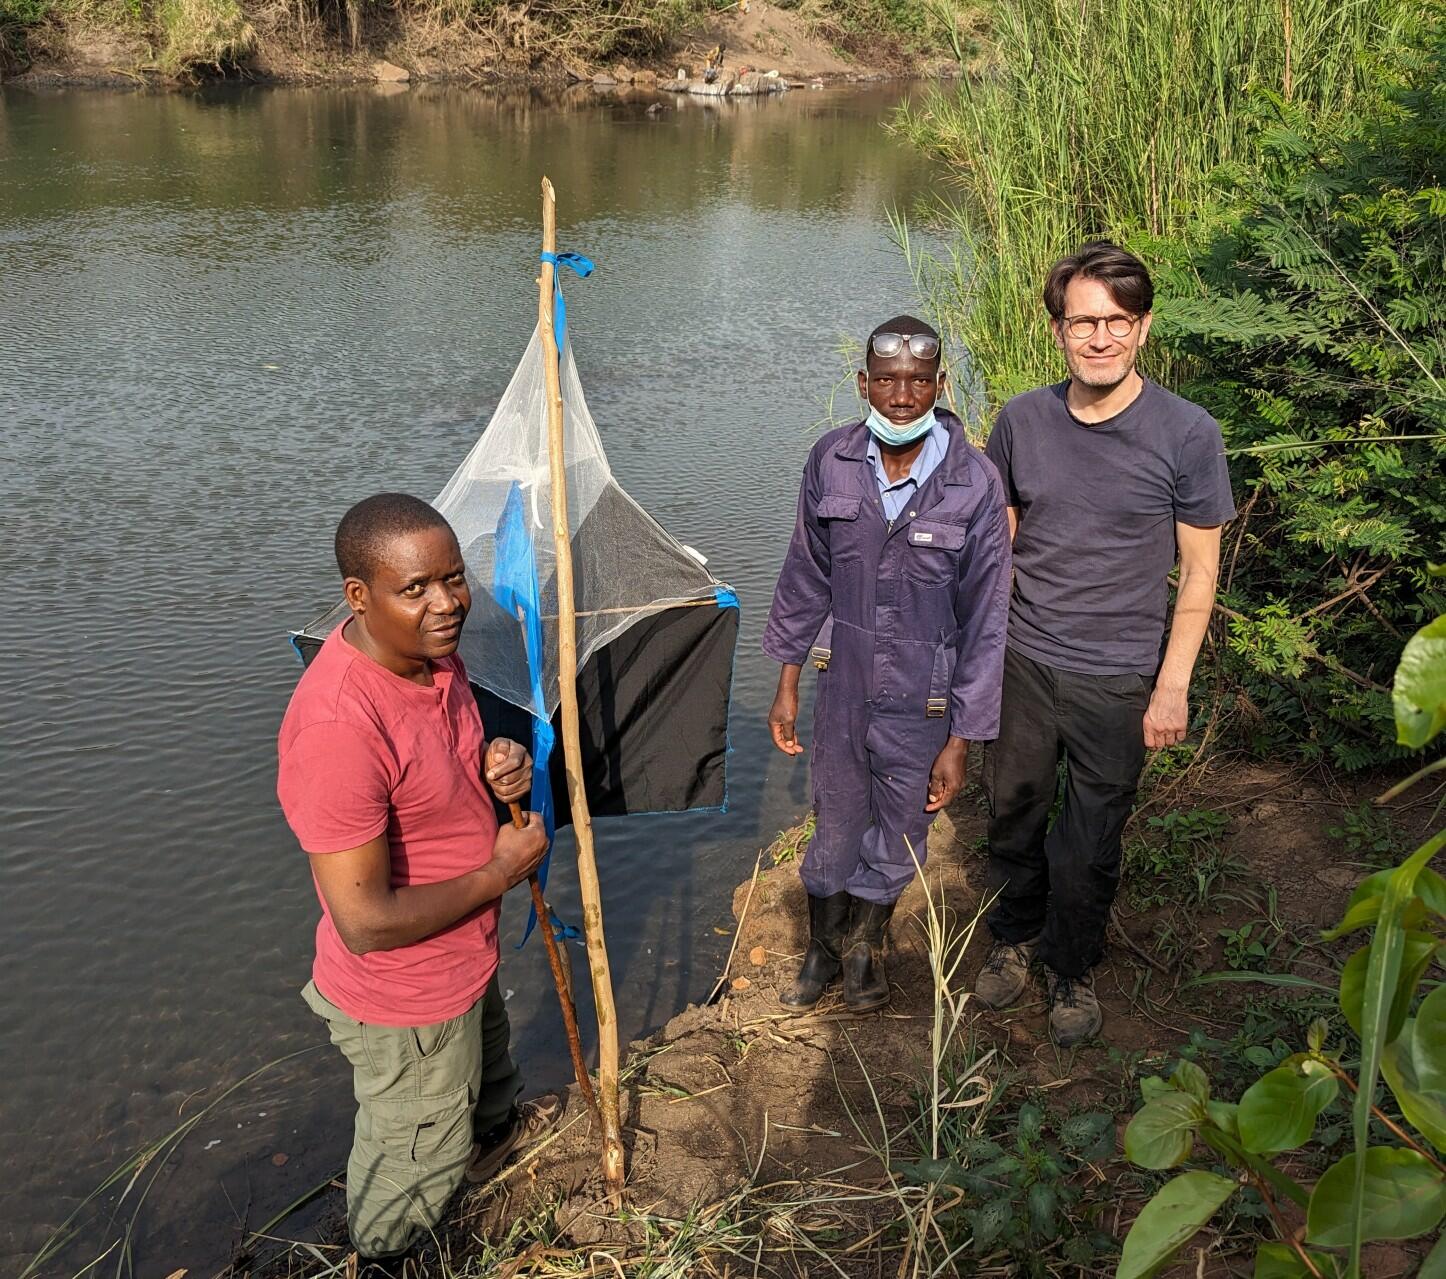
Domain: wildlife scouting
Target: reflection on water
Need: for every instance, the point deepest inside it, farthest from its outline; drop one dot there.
(227, 316)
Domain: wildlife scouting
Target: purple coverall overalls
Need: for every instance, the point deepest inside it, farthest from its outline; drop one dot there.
(913, 616)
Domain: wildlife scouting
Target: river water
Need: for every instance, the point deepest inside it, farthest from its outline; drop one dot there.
(223, 318)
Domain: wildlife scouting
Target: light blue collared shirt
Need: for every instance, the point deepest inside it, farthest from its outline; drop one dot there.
(896, 496)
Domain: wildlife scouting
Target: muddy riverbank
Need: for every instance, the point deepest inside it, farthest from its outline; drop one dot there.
(761, 1141)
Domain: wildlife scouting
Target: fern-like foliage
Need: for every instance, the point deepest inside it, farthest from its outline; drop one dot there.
(1311, 320)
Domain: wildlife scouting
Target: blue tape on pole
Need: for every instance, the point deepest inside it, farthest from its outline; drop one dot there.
(575, 262)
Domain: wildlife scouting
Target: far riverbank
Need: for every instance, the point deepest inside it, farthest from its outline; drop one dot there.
(179, 43)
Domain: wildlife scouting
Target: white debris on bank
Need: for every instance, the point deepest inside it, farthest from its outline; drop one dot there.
(728, 84)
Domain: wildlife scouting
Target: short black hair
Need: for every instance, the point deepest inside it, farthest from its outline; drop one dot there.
(905, 326)
(366, 529)
(1119, 270)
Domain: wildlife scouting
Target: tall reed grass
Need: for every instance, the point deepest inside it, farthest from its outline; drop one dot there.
(1107, 118)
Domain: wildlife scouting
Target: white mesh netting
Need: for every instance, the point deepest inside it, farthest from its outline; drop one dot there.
(625, 565)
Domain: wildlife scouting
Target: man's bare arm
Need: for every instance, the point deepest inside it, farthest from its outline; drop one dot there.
(1013, 513)
(1168, 716)
(372, 915)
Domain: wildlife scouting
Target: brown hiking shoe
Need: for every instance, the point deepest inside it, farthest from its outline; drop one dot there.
(530, 1122)
(1074, 1012)
(1005, 974)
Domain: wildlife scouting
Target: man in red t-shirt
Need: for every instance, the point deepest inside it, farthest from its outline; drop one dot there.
(382, 780)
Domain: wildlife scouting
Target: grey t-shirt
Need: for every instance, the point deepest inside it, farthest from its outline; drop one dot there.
(1098, 504)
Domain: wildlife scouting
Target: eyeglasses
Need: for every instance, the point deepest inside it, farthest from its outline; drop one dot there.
(1084, 326)
(923, 346)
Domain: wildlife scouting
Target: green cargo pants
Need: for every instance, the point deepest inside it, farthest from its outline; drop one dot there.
(424, 1094)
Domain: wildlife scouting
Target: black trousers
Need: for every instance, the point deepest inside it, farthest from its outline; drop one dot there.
(1057, 882)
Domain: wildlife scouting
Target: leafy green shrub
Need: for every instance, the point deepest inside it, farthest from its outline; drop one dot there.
(1019, 1195)
(1369, 833)
(1377, 1190)
(1301, 290)
(1181, 858)
(1309, 323)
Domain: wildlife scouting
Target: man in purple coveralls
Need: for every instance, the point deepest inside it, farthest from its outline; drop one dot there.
(897, 577)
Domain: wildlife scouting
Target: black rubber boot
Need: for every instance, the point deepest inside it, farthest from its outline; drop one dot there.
(828, 922)
(865, 984)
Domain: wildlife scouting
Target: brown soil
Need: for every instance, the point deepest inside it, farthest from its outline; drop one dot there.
(741, 1090)
(505, 49)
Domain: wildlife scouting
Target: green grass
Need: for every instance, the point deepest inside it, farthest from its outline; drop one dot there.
(1179, 859)
(1369, 834)
(791, 844)
(1106, 119)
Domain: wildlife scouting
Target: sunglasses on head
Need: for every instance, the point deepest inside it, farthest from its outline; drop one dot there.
(923, 346)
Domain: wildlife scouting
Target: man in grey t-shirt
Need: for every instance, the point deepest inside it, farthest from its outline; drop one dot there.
(1110, 481)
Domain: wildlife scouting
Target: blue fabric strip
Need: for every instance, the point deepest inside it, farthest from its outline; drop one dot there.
(725, 597)
(516, 589)
(573, 261)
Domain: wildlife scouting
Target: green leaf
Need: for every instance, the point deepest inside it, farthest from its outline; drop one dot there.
(1429, 887)
(1415, 1067)
(933, 1172)
(1152, 1086)
(1417, 950)
(1091, 1136)
(1434, 1267)
(1278, 1111)
(1224, 1115)
(1281, 1261)
(1419, 690)
(989, 1220)
(1402, 1196)
(1429, 1040)
(1168, 1221)
(1424, 1108)
(1372, 886)
(1189, 1078)
(1361, 914)
(1030, 1122)
(1292, 980)
(1365, 908)
(1378, 994)
(1160, 1135)
(1043, 1202)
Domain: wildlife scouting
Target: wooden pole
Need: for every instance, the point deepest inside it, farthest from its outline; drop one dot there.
(561, 980)
(592, 916)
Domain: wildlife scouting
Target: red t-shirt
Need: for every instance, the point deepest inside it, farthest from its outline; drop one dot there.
(364, 751)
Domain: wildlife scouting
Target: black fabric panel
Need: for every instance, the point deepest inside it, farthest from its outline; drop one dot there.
(653, 712)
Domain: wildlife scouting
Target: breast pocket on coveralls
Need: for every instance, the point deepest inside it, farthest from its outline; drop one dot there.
(839, 513)
(934, 551)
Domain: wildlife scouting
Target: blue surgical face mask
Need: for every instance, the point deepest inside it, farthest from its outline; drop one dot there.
(887, 432)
